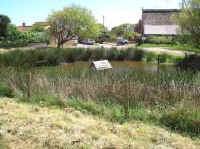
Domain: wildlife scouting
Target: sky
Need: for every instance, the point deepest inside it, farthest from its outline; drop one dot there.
(116, 12)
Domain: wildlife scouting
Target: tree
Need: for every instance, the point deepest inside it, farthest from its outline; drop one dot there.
(37, 28)
(13, 33)
(93, 32)
(124, 30)
(70, 22)
(102, 33)
(4, 21)
(189, 21)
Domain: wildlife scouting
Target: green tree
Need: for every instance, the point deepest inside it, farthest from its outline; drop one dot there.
(37, 28)
(4, 21)
(103, 33)
(93, 31)
(189, 21)
(124, 30)
(70, 22)
(13, 33)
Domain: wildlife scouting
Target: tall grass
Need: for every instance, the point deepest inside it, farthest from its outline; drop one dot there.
(3, 145)
(53, 57)
(121, 94)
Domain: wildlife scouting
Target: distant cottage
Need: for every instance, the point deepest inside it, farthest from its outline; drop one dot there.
(25, 28)
(159, 22)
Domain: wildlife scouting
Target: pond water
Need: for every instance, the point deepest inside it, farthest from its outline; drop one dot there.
(134, 65)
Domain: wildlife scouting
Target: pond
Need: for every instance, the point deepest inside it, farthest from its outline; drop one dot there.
(134, 65)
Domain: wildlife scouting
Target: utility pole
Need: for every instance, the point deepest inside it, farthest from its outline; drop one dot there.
(182, 4)
(103, 21)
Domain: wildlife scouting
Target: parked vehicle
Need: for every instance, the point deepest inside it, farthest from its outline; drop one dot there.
(87, 42)
(122, 41)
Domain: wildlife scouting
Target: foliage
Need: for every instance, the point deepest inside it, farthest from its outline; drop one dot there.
(159, 40)
(189, 20)
(70, 22)
(93, 32)
(13, 33)
(124, 30)
(52, 57)
(185, 120)
(118, 95)
(46, 100)
(16, 38)
(37, 28)
(103, 34)
(4, 21)
(190, 62)
(5, 91)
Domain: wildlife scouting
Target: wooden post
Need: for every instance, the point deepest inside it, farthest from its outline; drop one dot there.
(29, 85)
(158, 62)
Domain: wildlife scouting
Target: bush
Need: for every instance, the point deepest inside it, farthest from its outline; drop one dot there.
(150, 57)
(159, 40)
(183, 120)
(20, 39)
(45, 100)
(111, 111)
(191, 62)
(5, 91)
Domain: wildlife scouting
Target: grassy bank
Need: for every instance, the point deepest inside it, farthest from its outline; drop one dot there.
(171, 47)
(52, 128)
(169, 99)
(3, 145)
(52, 57)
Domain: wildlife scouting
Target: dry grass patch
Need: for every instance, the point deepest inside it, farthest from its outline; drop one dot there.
(31, 127)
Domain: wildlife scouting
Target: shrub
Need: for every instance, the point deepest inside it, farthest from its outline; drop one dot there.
(159, 40)
(150, 57)
(5, 91)
(45, 100)
(191, 62)
(20, 39)
(183, 120)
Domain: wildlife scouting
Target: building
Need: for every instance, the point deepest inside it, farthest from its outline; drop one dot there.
(24, 28)
(159, 22)
(42, 24)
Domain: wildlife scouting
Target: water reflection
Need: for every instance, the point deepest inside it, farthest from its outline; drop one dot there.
(135, 65)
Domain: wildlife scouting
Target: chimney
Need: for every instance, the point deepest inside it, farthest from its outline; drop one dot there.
(23, 24)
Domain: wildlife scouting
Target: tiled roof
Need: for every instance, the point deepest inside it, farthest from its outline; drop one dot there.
(24, 28)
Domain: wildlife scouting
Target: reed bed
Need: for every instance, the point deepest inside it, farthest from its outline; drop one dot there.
(53, 56)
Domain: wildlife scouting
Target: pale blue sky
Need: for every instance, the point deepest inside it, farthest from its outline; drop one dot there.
(115, 11)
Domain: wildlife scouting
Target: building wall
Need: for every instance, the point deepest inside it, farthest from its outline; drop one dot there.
(159, 22)
(160, 29)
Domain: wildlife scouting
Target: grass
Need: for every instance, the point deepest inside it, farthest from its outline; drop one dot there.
(144, 45)
(182, 120)
(53, 56)
(3, 145)
(119, 95)
(183, 47)
(67, 128)
(5, 91)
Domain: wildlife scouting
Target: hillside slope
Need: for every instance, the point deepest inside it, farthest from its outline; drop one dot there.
(24, 126)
